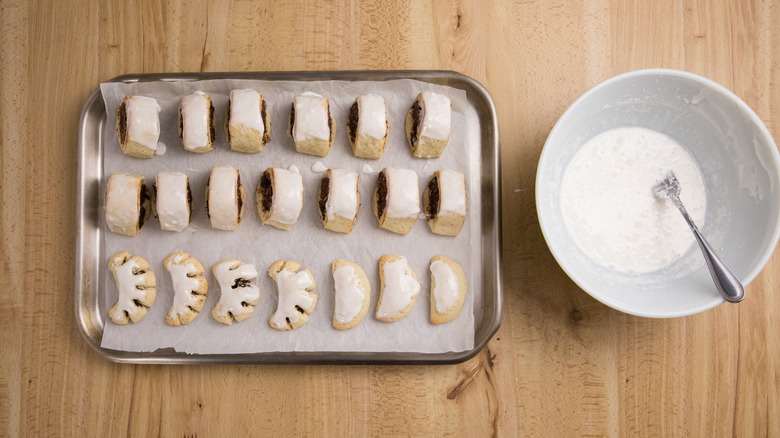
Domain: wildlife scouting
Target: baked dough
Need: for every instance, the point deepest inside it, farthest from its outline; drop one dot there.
(279, 197)
(339, 200)
(189, 288)
(448, 289)
(138, 126)
(312, 126)
(225, 198)
(136, 284)
(428, 125)
(248, 122)
(128, 203)
(445, 202)
(296, 301)
(352, 294)
(368, 126)
(172, 204)
(396, 200)
(239, 293)
(197, 126)
(400, 288)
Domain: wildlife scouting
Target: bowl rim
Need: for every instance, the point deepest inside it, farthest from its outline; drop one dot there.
(763, 131)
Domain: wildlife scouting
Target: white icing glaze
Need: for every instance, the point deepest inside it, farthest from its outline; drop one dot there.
(318, 167)
(195, 121)
(128, 293)
(162, 148)
(446, 291)
(245, 110)
(367, 169)
(223, 204)
(123, 201)
(400, 288)
(173, 210)
(292, 292)
(349, 294)
(183, 285)
(436, 116)
(342, 195)
(143, 120)
(372, 118)
(293, 168)
(231, 298)
(288, 196)
(452, 192)
(311, 117)
(403, 193)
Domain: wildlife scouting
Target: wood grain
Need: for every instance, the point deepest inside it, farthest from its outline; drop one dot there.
(561, 365)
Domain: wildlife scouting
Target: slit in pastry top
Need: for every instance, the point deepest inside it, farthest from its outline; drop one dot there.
(238, 292)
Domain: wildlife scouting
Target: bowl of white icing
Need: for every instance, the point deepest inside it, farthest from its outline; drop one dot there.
(594, 191)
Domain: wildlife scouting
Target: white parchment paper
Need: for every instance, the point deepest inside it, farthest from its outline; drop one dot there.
(308, 243)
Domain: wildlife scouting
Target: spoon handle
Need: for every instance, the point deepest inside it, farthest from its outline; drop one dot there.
(728, 284)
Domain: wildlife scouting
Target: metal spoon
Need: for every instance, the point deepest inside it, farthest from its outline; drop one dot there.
(727, 283)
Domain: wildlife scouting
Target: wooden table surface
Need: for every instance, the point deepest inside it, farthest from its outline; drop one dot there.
(562, 364)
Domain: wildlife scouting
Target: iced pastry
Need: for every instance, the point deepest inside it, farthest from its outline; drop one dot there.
(396, 200)
(339, 200)
(128, 203)
(448, 289)
(239, 294)
(248, 122)
(136, 284)
(445, 202)
(400, 288)
(279, 197)
(352, 294)
(312, 126)
(225, 198)
(428, 125)
(172, 200)
(138, 126)
(189, 288)
(296, 301)
(368, 126)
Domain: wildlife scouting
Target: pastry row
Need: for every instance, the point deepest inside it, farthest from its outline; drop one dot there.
(239, 293)
(311, 126)
(279, 200)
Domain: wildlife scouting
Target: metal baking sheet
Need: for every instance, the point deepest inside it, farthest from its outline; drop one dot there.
(88, 250)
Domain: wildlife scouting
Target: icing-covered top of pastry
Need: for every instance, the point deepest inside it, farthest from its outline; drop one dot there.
(245, 110)
(195, 120)
(403, 193)
(288, 196)
(223, 202)
(445, 293)
(350, 293)
(372, 119)
(311, 117)
(234, 294)
(183, 285)
(123, 201)
(343, 194)
(400, 288)
(126, 281)
(452, 192)
(436, 116)
(143, 120)
(292, 293)
(173, 210)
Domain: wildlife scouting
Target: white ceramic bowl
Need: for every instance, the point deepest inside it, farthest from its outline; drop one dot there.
(741, 169)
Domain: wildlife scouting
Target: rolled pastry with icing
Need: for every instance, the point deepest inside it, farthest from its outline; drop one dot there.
(189, 288)
(279, 197)
(400, 288)
(368, 126)
(296, 301)
(138, 126)
(239, 294)
(312, 126)
(448, 289)
(225, 198)
(136, 284)
(428, 125)
(197, 126)
(128, 203)
(396, 199)
(248, 122)
(445, 202)
(339, 200)
(352, 294)
(172, 201)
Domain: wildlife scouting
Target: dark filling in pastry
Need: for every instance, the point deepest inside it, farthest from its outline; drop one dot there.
(292, 121)
(324, 191)
(207, 198)
(241, 282)
(330, 123)
(266, 191)
(239, 201)
(227, 123)
(189, 199)
(156, 198)
(416, 116)
(142, 210)
(433, 197)
(122, 121)
(263, 110)
(352, 122)
(381, 194)
(212, 128)
(181, 127)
